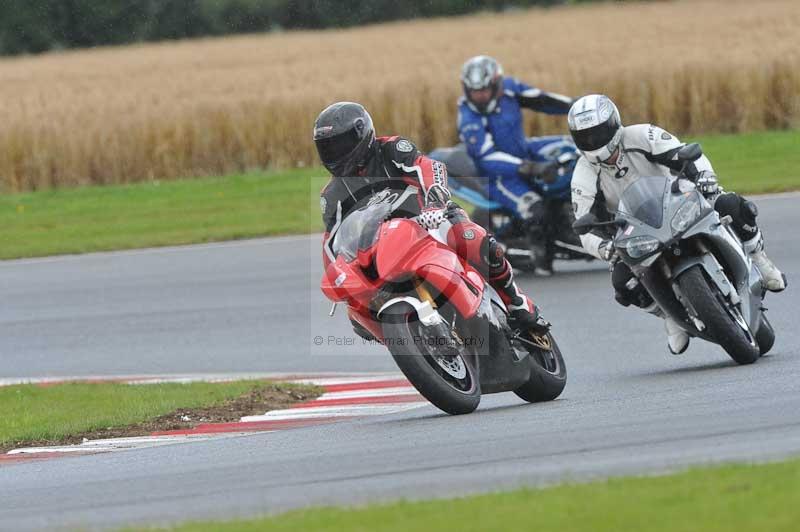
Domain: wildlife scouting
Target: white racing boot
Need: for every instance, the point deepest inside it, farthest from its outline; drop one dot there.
(774, 280)
(677, 338)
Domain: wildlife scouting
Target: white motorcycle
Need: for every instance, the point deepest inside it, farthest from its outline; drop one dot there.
(691, 262)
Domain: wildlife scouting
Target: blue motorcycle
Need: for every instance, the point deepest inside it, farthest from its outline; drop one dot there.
(561, 242)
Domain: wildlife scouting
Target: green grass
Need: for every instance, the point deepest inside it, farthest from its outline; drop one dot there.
(32, 412)
(211, 209)
(755, 163)
(98, 218)
(725, 499)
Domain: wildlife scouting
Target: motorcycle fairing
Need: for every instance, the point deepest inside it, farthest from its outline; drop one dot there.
(726, 263)
(405, 249)
(344, 280)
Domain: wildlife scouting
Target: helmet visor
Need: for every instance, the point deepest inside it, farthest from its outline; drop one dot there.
(335, 150)
(596, 137)
(480, 96)
(485, 98)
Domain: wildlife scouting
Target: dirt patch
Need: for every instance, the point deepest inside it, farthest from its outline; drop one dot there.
(271, 396)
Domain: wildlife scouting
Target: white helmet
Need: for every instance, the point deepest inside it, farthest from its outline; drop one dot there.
(595, 127)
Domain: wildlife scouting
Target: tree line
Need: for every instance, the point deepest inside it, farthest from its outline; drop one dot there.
(34, 26)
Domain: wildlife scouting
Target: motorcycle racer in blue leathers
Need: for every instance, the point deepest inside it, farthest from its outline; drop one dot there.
(524, 175)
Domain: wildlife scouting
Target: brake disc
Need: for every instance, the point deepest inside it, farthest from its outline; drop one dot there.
(453, 365)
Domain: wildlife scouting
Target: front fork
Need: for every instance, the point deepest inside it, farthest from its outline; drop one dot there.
(423, 293)
(445, 328)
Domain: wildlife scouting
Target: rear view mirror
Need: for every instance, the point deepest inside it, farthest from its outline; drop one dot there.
(587, 222)
(688, 155)
(690, 152)
(584, 224)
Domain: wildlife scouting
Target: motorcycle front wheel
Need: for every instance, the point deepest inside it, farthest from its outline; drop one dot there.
(723, 323)
(548, 371)
(446, 376)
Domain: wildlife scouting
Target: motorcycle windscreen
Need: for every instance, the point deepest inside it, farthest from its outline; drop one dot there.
(644, 200)
(360, 230)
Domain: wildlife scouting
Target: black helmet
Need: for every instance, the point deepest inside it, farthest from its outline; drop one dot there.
(478, 74)
(344, 136)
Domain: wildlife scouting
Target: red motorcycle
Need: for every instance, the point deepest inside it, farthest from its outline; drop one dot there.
(446, 328)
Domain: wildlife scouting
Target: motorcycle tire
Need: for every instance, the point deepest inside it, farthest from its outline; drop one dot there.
(721, 326)
(548, 374)
(404, 336)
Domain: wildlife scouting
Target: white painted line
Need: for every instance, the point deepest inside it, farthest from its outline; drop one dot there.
(375, 392)
(45, 450)
(141, 440)
(121, 444)
(334, 381)
(333, 378)
(320, 411)
(335, 411)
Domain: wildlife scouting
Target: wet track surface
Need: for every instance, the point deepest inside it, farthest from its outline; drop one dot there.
(629, 406)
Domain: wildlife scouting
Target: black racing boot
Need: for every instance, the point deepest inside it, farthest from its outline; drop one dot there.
(523, 314)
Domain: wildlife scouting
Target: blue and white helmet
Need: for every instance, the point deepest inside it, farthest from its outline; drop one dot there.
(479, 73)
(595, 126)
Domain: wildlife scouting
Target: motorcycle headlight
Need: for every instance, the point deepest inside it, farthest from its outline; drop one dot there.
(639, 246)
(686, 215)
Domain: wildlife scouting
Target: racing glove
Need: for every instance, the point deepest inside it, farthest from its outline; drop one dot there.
(431, 217)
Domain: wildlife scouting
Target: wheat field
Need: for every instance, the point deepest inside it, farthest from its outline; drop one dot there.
(215, 106)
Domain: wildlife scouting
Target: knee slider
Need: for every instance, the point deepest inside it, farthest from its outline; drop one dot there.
(728, 205)
(742, 211)
(622, 299)
(492, 253)
(749, 211)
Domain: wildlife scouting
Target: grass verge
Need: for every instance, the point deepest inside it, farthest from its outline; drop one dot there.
(755, 163)
(212, 209)
(725, 499)
(67, 413)
(100, 218)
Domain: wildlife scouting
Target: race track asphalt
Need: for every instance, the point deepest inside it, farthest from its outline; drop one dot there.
(255, 305)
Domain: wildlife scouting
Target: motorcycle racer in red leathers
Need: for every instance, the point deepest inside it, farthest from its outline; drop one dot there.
(366, 169)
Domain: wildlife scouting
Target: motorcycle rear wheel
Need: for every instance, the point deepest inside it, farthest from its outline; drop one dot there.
(450, 383)
(721, 325)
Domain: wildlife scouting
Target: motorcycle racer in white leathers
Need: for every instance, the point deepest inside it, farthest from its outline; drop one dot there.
(613, 157)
